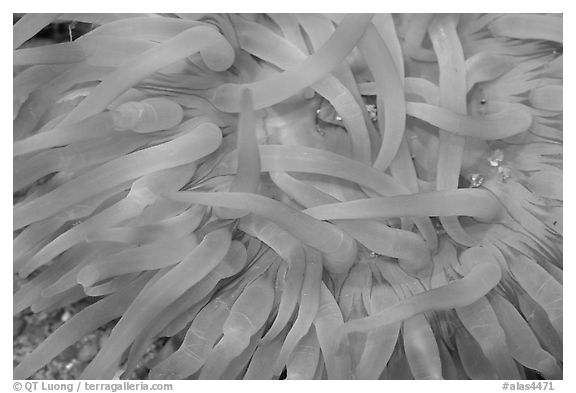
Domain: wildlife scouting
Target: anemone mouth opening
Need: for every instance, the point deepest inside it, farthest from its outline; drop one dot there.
(291, 196)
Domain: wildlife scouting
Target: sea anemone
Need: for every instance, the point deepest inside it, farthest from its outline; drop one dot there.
(296, 196)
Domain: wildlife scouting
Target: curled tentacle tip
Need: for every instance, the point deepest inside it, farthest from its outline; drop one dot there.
(418, 268)
(87, 276)
(149, 115)
(340, 261)
(218, 57)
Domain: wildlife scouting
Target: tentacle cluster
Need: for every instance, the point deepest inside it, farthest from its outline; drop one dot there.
(301, 196)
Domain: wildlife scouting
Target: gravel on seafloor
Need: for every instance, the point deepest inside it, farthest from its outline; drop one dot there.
(30, 329)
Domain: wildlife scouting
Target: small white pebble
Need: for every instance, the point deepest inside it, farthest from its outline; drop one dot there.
(476, 180)
(504, 173)
(87, 352)
(66, 316)
(372, 111)
(496, 158)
